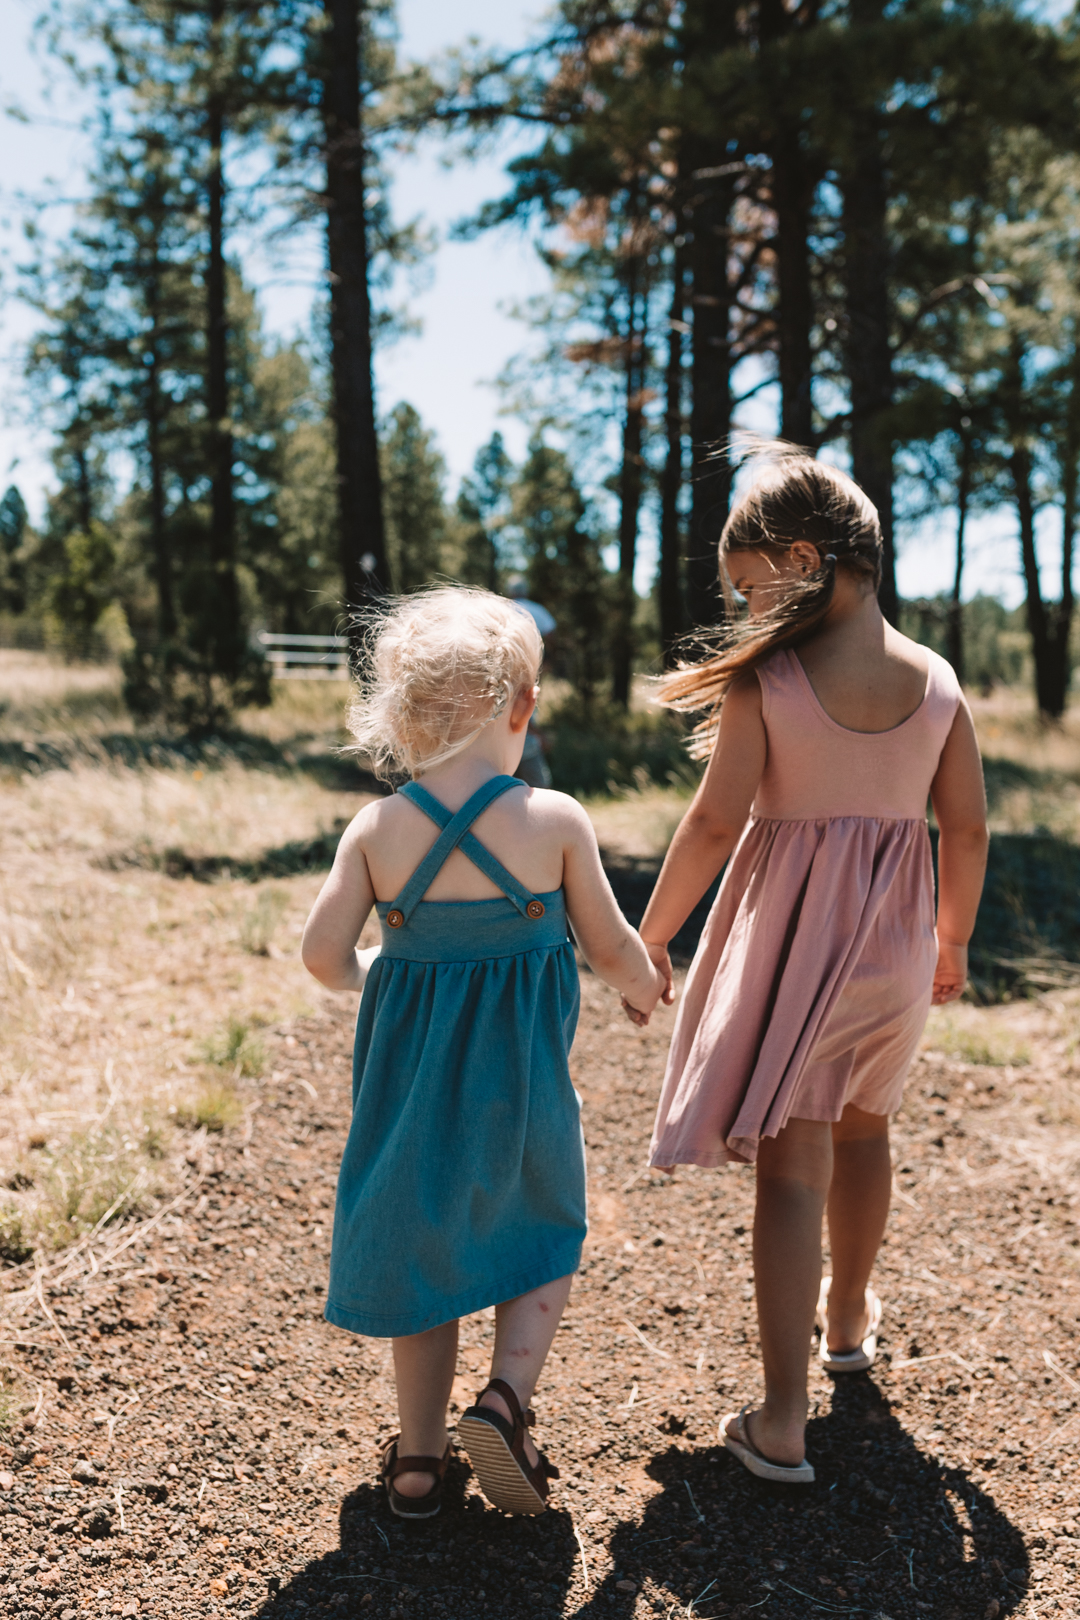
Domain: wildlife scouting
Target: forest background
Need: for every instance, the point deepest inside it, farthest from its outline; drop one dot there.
(865, 213)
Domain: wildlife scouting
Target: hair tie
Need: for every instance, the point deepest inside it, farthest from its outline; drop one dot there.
(830, 557)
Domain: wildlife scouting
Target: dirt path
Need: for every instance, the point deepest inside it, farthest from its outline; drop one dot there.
(203, 1443)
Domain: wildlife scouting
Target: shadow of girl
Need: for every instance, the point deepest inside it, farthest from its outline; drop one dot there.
(469, 1561)
(886, 1531)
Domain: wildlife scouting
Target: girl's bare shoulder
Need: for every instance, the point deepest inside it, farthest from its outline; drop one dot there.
(376, 818)
(549, 811)
(903, 650)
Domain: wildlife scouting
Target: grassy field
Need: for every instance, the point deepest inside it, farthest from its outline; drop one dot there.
(152, 896)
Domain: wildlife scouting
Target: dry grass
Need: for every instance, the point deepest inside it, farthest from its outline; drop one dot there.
(141, 1012)
(977, 1035)
(135, 1005)
(40, 695)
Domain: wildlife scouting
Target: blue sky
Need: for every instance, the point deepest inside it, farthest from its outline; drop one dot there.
(463, 301)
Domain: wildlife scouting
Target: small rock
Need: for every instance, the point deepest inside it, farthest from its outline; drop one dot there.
(6, 1480)
(628, 1587)
(84, 1472)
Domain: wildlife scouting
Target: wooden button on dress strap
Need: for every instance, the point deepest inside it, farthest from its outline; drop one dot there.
(534, 909)
(394, 919)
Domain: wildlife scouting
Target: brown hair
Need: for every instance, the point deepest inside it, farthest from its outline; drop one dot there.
(792, 497)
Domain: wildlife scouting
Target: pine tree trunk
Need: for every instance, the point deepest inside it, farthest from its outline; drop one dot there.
(361, 527)
(869, 348)
(792, 189)
(711, 406)
(955, 629)
(1061, 671)
(791, 192)
(221, 610)
(83, 489)
(670, 593)
(166, 614)
(1037, 617)
(622, 652)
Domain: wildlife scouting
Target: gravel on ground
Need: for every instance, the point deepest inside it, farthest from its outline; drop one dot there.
(201, 1443)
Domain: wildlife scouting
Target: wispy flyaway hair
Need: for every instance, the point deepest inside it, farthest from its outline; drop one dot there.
(440, 666)
(791, 497)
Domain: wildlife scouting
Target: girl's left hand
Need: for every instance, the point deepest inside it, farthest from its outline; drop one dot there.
(641, 1019)
(950, 975)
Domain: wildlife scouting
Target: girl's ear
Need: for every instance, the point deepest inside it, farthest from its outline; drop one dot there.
(805, 555)
(522, 707)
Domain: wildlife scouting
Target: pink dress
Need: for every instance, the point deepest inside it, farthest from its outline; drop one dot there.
(812, 981)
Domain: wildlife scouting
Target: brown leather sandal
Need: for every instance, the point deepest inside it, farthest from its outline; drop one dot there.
(413, 1507)
(496, 1449)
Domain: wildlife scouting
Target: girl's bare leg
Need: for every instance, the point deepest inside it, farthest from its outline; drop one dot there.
(424, 1365)
(858, 1208)
(793, 1172)
(524, 1329)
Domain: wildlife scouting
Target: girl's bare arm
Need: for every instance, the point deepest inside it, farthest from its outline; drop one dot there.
(711, 827)
(959, 799)
(605, 938)
(337, 917)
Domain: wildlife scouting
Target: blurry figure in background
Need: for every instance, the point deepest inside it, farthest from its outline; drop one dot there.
(533, 769)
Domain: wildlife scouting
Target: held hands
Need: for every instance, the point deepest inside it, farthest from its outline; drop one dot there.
(950, 975)
(663, 986)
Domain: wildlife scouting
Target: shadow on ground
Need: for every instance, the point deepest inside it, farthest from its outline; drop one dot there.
(469, 1561)
(168, 750)
(886, 1531)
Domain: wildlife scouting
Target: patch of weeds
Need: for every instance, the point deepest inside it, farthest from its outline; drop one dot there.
(155, 1135)
(992, 1049)
(95, 1176)
(260, 922)
(11, 1402)
(15, 1246)
(236, 1047)
(214, 1108)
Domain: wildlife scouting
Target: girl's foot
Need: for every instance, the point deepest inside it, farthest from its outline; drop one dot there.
(848, 1339)
(510, 1471)
(413, 1483)
(783, 1444)
(736, 1436)
(491, 1398)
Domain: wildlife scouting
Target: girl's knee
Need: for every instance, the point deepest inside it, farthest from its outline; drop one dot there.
(856, 1125)
(800, 1154)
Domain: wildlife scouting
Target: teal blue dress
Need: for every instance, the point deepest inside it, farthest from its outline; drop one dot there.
(463, 1178)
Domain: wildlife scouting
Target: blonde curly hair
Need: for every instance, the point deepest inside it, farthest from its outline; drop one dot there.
(440, 666)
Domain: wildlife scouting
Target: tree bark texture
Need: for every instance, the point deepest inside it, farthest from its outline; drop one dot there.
(670, 592)
(954, 639)
(361, 527)
(791, 185)
(1049, 623)
(630, 481)
(221, 610)
(710, 381)
(864, 184)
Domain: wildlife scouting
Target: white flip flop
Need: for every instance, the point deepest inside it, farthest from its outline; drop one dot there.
(741, 1446)
(840, 1361)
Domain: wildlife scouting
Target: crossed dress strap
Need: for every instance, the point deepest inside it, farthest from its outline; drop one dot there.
(455, 834)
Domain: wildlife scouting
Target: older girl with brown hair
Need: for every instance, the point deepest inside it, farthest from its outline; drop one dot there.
(825, 731)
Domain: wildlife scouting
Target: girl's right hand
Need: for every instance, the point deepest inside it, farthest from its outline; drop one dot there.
(661, 961)
(950, 975)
